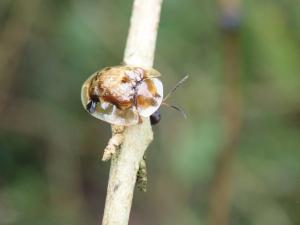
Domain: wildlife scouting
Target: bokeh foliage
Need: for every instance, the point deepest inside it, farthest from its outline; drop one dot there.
(50, 148)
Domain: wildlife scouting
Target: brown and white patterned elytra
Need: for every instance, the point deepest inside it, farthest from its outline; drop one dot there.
(122, 94)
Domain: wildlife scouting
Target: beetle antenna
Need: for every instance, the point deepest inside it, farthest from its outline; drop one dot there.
(176, 108)
(179, 83)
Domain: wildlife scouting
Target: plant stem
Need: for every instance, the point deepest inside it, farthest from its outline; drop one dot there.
(139, 51)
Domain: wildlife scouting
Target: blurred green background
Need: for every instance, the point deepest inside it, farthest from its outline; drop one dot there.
(235, 160)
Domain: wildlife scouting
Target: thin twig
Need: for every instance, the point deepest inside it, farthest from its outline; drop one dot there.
(139, 51)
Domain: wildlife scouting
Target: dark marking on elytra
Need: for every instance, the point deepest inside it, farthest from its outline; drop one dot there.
(151, 87)
(125, 79)
(117, 101)
(157, 95)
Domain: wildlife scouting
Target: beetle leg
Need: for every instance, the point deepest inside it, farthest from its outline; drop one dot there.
(91, 106)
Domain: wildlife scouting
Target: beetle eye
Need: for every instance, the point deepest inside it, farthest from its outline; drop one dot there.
(91, 106)
(155, 117)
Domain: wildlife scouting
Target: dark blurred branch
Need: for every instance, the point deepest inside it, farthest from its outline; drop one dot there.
(221, 186)
(13, 38)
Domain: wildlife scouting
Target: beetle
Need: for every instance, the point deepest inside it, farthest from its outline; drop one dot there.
(121, 95)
